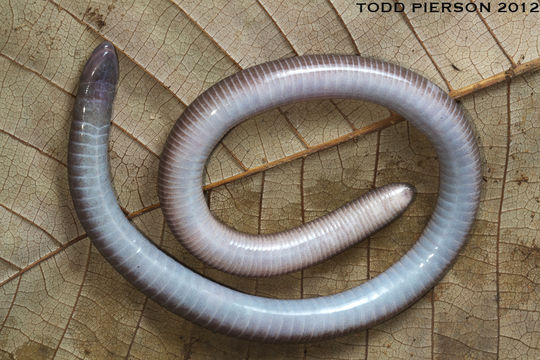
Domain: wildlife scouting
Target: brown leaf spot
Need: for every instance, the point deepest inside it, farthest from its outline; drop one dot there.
(33, 350)
(93, 15)
(111, 6)
(522, 179)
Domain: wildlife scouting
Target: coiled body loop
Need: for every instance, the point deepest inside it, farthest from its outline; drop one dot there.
(205, 121)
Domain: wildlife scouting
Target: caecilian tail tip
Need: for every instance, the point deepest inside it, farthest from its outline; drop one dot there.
(408, 190)
(102, 65)
(403, 194)
(411, 189)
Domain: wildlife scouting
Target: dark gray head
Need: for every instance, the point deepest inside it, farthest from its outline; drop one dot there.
(102, 66)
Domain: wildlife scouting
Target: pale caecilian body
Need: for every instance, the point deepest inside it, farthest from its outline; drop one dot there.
(204, 122)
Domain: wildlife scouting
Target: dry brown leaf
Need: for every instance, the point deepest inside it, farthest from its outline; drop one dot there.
(59, 298)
